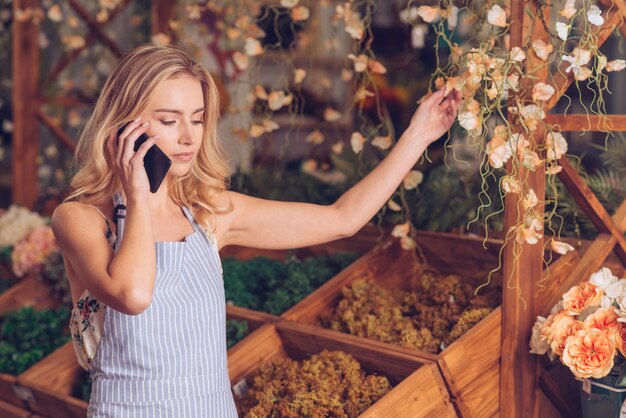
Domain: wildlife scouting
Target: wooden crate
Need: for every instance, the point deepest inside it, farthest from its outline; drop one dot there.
(47, 386)
(407, 373)
(30, 291)
(8, 410)
(470, 365)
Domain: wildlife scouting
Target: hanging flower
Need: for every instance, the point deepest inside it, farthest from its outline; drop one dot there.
(316, 137)
(376, 67)
(542, 91)
(429, 14)
(278, 99)
(510, 185)
(241, 60)
(300, 13)
(392, 205)
(256, 130)
(615, 65)
(532, 115)
(360, 62)
(498, 149)
(594, 16)
(560, 247)
(401, 230)
(542, 49)
(530, 230)
(55, 14)
(298, 75)
(382, 142)
(517, 54)
(412, 179)
(331, 115)
(569, 10)
(530, 200)
(337, 148)
(579, 58)
(562, 30)
(289, 3)
(556, 146)
(356, 142)
(497, 16)
(253, 47)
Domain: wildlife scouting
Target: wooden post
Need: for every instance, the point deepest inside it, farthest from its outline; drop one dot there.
(161, 14)
(25, 181)
(518, 377)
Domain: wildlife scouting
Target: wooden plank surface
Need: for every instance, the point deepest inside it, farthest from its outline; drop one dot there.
(30, 291)
(610, 123)
(25, 142)
(11, 411)
(421, 395)
(50, 383)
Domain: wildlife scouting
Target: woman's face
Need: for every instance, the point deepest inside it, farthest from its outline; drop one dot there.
(175, 113)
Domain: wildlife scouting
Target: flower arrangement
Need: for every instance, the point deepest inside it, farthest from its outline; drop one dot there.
(587, 328)
(17, 223)
(31, 253)
(328, 384)
(437, 311)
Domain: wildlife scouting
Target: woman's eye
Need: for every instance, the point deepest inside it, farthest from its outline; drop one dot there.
(168, 122)
(197, 122)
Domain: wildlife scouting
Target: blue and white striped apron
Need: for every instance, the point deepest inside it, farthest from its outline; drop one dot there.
(170, 360)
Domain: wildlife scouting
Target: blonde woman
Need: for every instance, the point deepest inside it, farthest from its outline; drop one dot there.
(148, 319)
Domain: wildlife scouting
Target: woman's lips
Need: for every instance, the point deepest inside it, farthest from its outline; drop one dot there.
(184, 156)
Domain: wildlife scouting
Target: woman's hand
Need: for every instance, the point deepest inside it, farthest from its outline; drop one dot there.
(128, 163)
(435, 115)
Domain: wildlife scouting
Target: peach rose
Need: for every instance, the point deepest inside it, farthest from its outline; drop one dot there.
(563, 326)
(589, 353)
(578, 298)
(605, 319)
(620, 339)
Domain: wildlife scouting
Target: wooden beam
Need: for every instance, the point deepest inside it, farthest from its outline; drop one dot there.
(96, 28)
(592, 207)
(162, 11)
(71, 56)
(523, 264)
(25, 70)
(562, 80)
(56, 131)
(614, 123)
(621, 6)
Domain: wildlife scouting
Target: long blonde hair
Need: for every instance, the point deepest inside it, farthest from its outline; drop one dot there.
(125, 95)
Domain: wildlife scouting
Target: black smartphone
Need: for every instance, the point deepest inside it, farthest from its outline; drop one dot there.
(155, 161)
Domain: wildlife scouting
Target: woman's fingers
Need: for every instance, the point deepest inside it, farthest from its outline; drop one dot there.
(129, 142)
(143, 149)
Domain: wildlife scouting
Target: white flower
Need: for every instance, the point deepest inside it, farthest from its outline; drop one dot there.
(497, 16)
(510, 185)
(603, 278)
(412, 179)
(542, 49)
(594, 16)
(614, 291)
(538, 345)
(615, 65)
(569, 10)
(16, 223)
(429, 14)
(556, 146)
(578, 59)
(542, 91)
(469, 120)
(562, 30)
(560, 247)
(453, 16)
(530, 200)
(356, 142)
(253, 47)
(517, 54)
(401, 230)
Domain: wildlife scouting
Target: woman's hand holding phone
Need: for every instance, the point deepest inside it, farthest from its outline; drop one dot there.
(128, 163)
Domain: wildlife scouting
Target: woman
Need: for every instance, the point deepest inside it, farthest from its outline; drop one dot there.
(148, 319)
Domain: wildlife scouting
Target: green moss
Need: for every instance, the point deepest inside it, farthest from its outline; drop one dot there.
(235, 331)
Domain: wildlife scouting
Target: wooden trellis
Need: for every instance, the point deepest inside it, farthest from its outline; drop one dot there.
(520, 376)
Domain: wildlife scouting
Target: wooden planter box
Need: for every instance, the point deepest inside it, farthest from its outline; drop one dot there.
(30, 291)
(470, 365)
(406, 373)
